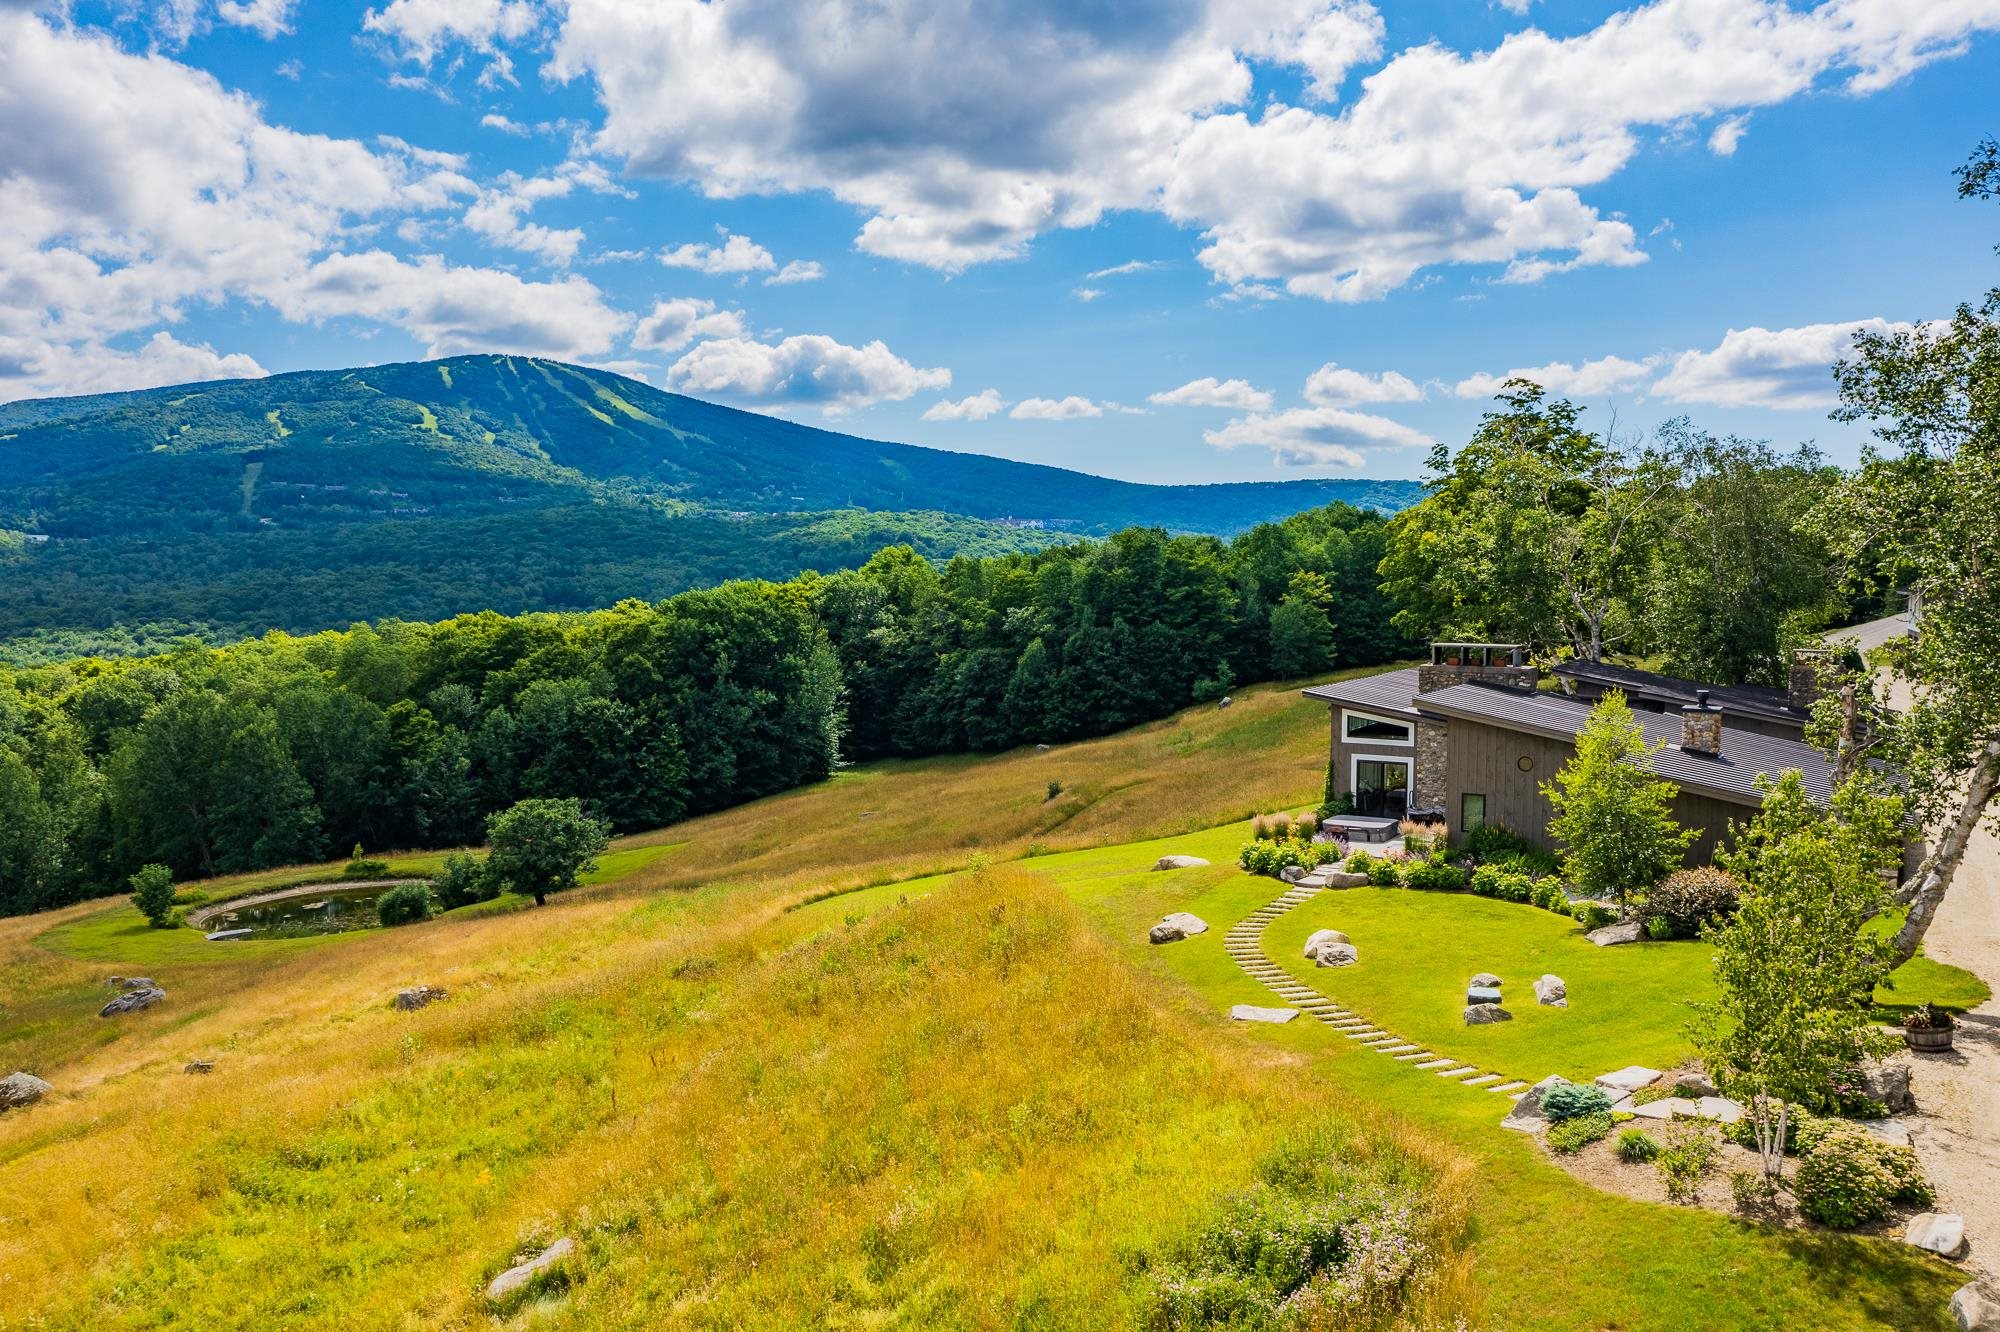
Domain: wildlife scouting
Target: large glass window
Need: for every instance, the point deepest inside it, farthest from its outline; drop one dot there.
(1381, 787)
(1381, 730)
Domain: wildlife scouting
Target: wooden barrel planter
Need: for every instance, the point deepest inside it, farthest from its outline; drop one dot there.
(1927, 1038)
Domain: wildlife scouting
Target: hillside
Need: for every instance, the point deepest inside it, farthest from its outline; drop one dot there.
(315, 498)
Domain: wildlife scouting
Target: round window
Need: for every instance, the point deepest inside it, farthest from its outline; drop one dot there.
(1525, 763)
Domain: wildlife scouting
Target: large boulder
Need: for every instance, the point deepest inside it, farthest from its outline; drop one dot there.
(19, 1089)
(1551, 992)
(1624, 932)
(1485, 980)
(1527, 1115)
(132, 1001)
(1696, 1085)
(1976, 1307)
(417, 996)
(1942, 1233)
(1478, 1015)
(1342, 879)
(137, 983)
(1178, 926)
(1292, 873)
(1888, 1081)
(511, 1280)
(1337, 955)
(1179, 862)
(1321, 939)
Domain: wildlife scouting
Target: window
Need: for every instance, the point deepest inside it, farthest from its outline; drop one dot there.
(1381, 787)
(1359, 726)
(1471, 812)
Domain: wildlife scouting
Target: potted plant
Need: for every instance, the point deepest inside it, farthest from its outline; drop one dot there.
(1928, 1027)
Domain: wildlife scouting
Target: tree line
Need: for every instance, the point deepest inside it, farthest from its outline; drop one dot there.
(285, 748)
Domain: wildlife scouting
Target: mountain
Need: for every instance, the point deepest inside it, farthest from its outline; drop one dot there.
(426, 488)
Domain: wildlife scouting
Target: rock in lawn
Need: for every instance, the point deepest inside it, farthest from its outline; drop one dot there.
(1342, 879)
(1481, 994)
(1696, 1085)
(1624, 932)
(1478, 1015)
(1252, 1013)
(132, 1001)
(1179, 862)
(19, 1089)
(1225, 701)
(1292, 873)
(1527, 1114)
(137, 983)
(1041, 749)
(1176, 927)
(1888, 1081)
(1551, 991)
(1485, 980)
(199, 1066)
(1976, 1307)
(1630, 1079)
(1338, 955)
(410, 1000)
(1942, 1233)
(514, 1278)
(1320, 939)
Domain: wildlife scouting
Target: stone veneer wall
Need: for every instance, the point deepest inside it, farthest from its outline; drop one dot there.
(1443, 677)
(1802, 683)
(1701, 730)
(1429, 785)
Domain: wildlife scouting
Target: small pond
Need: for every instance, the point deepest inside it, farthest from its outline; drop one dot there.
(332, 908)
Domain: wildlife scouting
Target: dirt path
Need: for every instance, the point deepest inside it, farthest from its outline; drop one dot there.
(1958, 1094)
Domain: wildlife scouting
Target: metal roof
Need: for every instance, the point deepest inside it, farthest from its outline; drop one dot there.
(1751, 700)
(1391, 691)
(1731, 775)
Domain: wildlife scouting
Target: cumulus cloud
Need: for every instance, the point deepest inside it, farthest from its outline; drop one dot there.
(498, 212)
(1608, 374)
(30, 368)
(420, 29)
(495, 121)
(798, 270)
(919, 119)
(674, 324)
(266, 18)
(1316, 436)
(810, 369)
(1333, 385)
(1763, 367)
(736, 254)
(1723, 140)
(978, 407)
(1072, 408)
(1236, 394)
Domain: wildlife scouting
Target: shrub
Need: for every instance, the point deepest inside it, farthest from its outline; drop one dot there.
(1847, 1178)
(1339, 807)
(1928, 1017)
(1636, 1146)
(1690, 1153)
(462, 881)
(1489, 841)
(364, 869)
(1548, 894)
(1384, 874)
(1533, 862)
(1055, 788)
(1571, 1101)
(405, 903)
(1422, 838)
(1437, 876)
(1359, 862)
(1658, 929)
(1305, 825)
(153, 894)
(1751, 1188)
(1281, 827)
(1688, 899)
(1573, 1135)
(1592, 916)
(1271, 857)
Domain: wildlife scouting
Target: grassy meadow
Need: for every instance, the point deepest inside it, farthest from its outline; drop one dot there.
(793, 1065)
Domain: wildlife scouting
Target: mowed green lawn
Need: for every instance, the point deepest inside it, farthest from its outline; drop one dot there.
(1548, 1250)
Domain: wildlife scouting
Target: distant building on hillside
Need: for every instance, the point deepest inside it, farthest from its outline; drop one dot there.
(1468, 739)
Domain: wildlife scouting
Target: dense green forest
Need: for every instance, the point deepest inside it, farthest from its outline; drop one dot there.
(398, 734)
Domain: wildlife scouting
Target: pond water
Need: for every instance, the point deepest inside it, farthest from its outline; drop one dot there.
(325, 909)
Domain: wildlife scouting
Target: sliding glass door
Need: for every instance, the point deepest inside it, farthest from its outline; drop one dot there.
(1381, 787)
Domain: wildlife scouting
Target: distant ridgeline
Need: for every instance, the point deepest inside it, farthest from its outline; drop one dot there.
(422, 490)
(283, 749)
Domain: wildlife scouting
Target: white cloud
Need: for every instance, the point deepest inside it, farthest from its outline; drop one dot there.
(674, 324)
(1071, 408)
(498, 212)
(1236, 394)
(1608, 374)
(978, 407)
(1722, 142)
(494, 120)
(1519, 7)
(918, 117)
(266, 18)
(1334, 386)
(1762, 367)
(798, 270)
(1087, 294)
(736, 254)
(420, 29)
(810, 368)
(1120, 270)
(1316, 436)
(29, 368)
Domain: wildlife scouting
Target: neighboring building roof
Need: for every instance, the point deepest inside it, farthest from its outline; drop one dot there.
(1750, 700)
(1875, 633)
(1731, 775)
(1391, 691)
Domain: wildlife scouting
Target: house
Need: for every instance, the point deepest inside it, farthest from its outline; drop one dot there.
(1468, 738)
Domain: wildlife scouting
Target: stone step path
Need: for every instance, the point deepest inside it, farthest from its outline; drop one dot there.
(1244, 943)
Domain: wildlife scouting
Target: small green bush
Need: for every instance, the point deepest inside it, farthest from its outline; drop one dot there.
(462, 881)
(1688, 899)
(1847, 1178)
(153, 894)
(1636, 1146)
(1658, 930)
(1271, 857)
(405, 903)
(364, 869)
(1360, 862)
(1437, 876)
(1592, 916)
(1751, 1188)
(1571, 1101)
(1688, 1156)
(1055, 788)
(1490, 841)
(1549, 896)
(1573, 1135)
(1385, 874)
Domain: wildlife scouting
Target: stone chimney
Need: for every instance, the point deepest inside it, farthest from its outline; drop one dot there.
(1802, 683)
(1504, 664)
(1701, 726)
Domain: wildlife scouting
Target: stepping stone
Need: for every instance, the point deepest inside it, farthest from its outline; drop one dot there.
(1673, 1107)
(1941, 1233)
(1892, 1131)
(1362, 1034)
(1483, 1077)
(1507, 1087)
(1719, 1108)
(1424, 1054)
(1395, 1047)
(1437, 1063)
(1252, 1013)
(1629, 1079)
(1459, 1072)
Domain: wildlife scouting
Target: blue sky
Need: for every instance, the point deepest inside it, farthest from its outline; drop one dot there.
(1173, 240)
